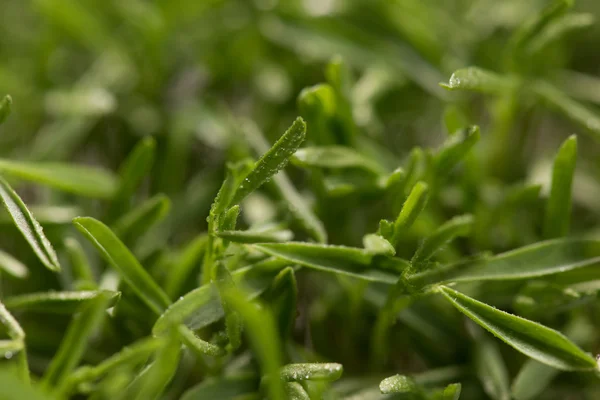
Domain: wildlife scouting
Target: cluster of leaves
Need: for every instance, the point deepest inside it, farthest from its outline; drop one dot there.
(377, 255)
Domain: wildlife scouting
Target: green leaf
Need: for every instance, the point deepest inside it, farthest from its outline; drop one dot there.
(295, 391)
(14, 388)
(272, 161)
(77, 179)
(376, 244)
(223, 388)
(5, 105)
(233, 322)
(399, 384)
(558, 208)
(336, 259)
(29, 227)
(318, 105)
(557, 28)
(536, 24)
(297, 206)
(457, 226)
(282, 298)
(261, 331)
(576, 112)
(311, 372)
(452, 392)
(551, 257)
(202, 306)
(117, 255)
(455, 150)
(256, 236)
(12, 266)
(542, 300)
(83, 276)
(339, 77)
(479, 80)
(414, 204)
(491, 370)
(198, 345)
(335, 157)
(16, 344)
(137, 222)
(532, 379)
(132, 355)
(49, 215)
(75, 342)
(131, 173)
(58, 302)
(153, 380)
(530, 338)
(190, 257)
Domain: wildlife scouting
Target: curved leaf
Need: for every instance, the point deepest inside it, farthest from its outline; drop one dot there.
(29, 227)
(532, 339)
(335, 157)
(115, 252)
(311, 372)
(77, 179)
(558, 208)
(12, 266)
(337, 259)
(58, 302)
(533, 261)
(272, 161)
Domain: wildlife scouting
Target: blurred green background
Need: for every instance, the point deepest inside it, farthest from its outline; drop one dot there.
(90, 78)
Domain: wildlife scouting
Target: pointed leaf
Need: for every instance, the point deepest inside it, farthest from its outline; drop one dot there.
(190, 257)
(414, 204)
(337, 259)
(273, 160)
(540, 259)
(233, 322)
(29, 227)
(532, 339)
(58, 302)
(479, 80)
(198, 345)
(398, 384)
(297, 206)
(77, 179)
(115, 252)
(558, 208)
(313, 372)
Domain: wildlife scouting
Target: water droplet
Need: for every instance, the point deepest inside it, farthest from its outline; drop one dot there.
(8, 355)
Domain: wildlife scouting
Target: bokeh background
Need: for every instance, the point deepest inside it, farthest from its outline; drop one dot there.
(90, 78)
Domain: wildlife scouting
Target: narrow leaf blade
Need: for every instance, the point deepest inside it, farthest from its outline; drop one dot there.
(532, 339)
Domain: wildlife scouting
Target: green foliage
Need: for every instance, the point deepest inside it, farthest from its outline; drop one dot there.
(437, 234)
